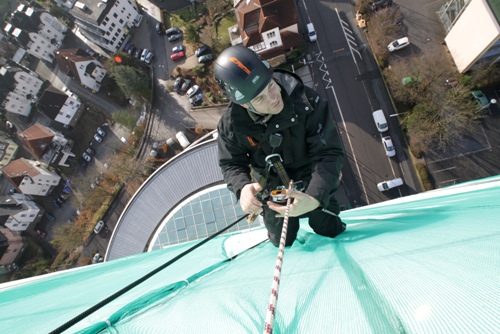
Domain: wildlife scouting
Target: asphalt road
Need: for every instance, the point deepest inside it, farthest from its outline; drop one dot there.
(339, 60)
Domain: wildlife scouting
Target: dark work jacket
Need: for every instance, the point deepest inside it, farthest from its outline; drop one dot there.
(315, 154)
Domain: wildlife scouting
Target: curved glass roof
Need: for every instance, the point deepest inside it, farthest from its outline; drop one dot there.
(199, 216)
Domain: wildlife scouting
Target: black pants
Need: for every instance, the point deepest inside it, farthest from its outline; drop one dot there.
(322, 223)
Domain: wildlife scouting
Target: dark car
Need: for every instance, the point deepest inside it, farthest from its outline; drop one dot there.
(49, 216)
(82, 162)
(159, 28)
(57, 204)
(196, 100)
(175, 38)
(90, 151)
(131, 51)
(381, 4)
(178, 83)
(173, 31)
(138, 53)
(205, 58)
(186, 85)
(201, 50)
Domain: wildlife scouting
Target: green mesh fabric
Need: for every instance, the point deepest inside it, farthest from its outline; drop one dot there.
(428, 263)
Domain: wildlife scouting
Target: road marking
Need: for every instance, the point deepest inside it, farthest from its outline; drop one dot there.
(443, 170)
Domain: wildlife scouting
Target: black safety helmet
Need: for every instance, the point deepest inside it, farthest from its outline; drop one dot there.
(241, 74)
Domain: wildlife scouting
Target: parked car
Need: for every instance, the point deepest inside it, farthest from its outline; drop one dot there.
(87, 157)
(390, 151)
(100, 131)
(480, 98)
(178, 83)
(193, 90)
(159, 28)
(186, 85)
(380, 4)
(386, 185)
(97, 258)
(49, 216)
(98, 227)
(127, 46)
(177, 55)
(97, 138)
(41, 233)
(57, 204)
(138, 54)
(90, 151)
(205, 58)
(398, 44)
(144, 54)
(173, 31)
(82, 162)
(178, 48)
(196, 100)
(201, 50)
(62, 198)
(175, 38)
(131, 51)
(149, 57)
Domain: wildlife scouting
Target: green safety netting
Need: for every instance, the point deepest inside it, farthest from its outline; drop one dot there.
(428, 263)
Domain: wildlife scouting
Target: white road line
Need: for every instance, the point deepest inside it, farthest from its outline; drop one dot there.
(445, 169)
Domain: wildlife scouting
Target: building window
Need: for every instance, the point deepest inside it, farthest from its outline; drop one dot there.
(121, 21)
(23, 215)
(32, 215)
(271, 34)
(273, 43)
(44, 190)
(68, 116)
(115, 15)
(113, 25)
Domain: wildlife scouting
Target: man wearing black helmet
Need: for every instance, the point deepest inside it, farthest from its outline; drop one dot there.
(272, 112)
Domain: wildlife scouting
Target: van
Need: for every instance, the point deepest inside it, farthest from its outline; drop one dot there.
(386, 185)
(144, 54)
(380, 121)
(181, 137)
(311, 33)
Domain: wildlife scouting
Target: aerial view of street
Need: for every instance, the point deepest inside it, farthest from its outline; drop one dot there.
(95, 100)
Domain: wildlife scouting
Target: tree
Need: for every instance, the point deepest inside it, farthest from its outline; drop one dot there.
(191, 35)
(131, 81)
(442, 120)
(127, 117)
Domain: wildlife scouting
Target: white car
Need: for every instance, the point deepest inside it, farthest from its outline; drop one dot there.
(390, 151)
(398, 44)
(98, 138)
(97, 258)
(193, 90)
(149, 57)
(144, 54)
(98, 227)
(101, 132)
(386, 185)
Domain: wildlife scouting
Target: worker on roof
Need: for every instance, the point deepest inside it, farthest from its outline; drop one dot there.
(272, 112)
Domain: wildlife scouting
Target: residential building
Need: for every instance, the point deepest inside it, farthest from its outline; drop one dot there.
(106, 22)
(31, 177)
(19, 213)
(38, 32)
(79, 65)
(8, 150)
(12, 247)
(473, 28)
(47, 145)
(269, 27)
(60, 107)
(18, 89)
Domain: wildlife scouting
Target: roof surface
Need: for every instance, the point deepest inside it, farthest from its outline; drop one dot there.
(427, 263)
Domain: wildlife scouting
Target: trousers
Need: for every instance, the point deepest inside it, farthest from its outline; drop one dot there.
(321, 222)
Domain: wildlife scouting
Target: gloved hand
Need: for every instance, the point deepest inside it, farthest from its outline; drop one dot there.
(248, 202)
(302, 203)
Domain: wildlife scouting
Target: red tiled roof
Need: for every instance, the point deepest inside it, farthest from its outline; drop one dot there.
(36, 139)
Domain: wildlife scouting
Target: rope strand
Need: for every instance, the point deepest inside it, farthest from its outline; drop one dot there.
(273, 299)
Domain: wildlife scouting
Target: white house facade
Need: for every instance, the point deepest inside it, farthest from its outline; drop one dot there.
(39, 33)
(24, 212)
(19, 89)
(30, 177)
(106, 22)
